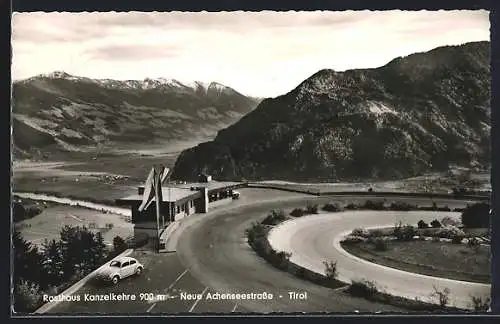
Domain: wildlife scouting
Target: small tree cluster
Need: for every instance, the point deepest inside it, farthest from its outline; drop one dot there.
(119, 245)
(448, 221)
(479, 304)
(374, 205)
(75, 254)
(404, 233)
(275, 217)
(443, 296)
(451, 232)
(361, 232)
(436, 224)
(422, 224)
(330, 270)
(311, 208)
(21, 211)
(363, 288)
(332, 207)
(401, 206)
(476, 216)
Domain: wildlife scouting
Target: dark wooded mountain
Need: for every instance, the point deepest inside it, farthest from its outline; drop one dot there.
(59, 111)
(419, 113)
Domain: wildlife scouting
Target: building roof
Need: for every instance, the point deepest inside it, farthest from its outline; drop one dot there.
(170, 194)
(213, 185)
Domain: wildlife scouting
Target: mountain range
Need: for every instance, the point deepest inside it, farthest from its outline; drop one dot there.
(420, 113)
(62, 112)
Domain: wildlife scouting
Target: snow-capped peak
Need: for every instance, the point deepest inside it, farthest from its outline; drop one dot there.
(57, 75)
(145, 84)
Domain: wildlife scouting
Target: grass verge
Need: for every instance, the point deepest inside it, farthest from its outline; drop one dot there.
(438, 259)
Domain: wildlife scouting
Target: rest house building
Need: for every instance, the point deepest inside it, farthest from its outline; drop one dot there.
(178, 201)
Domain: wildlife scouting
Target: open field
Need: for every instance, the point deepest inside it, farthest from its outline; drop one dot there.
(439, 259)
(48, 224)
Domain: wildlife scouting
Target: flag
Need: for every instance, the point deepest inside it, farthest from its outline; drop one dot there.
(166, 175)
(148, 194)
(159, 174)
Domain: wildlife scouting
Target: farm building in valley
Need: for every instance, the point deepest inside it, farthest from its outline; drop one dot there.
(178, 201)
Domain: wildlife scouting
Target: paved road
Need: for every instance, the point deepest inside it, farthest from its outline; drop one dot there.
(215, 251)
(313, 239)
(159, 289)
(213, 256)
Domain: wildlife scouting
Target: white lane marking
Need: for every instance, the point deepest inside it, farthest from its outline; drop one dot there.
(198, 300)
(151, 307)
(234, 308)
(176, 280)
(169, 287)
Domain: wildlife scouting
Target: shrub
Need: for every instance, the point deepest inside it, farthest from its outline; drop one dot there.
(22, 211)
(378, 205)
(447, 221)
(351, 206)
(311, 208)
(421, 224)
(404, 233)
(255, 232)
(473, 242)
(363, 288)
(362, 232)
(476, 216)
(457, 239)
(443, 296)
(275, 217)
(297, 212)
(27, 297)
(353, 239)
(279, 259)
(330, 270)
(450, 232)
(401, 206)
(331, 207)
(436, 224)
(119, 244)
(380, 244)
(479, 304)
(376, 233)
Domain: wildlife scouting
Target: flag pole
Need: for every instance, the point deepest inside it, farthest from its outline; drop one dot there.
(169, 202)
(157, 196)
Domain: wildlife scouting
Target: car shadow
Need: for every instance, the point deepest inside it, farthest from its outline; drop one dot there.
(97, 282)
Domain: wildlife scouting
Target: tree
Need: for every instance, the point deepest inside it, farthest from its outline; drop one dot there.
(436, 224)
(422, 224)
(53, 263)
(18, 212)
(81, 250)
(476, 216)
(27, 296)
(119, 245)
(27, 260)
(404, 233)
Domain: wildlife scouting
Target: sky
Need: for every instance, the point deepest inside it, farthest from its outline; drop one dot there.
(262, 54)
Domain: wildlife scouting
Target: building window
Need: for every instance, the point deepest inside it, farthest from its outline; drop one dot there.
(178, 209)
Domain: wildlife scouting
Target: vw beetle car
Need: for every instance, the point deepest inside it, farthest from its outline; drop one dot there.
(120, 268)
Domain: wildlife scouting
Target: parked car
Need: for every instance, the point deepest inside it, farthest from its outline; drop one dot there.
(236, 195)
(120, 268)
